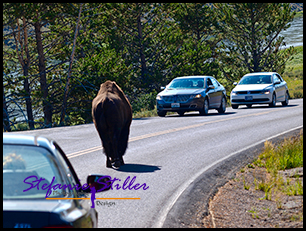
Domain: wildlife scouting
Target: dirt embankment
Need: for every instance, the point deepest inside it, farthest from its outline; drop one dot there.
(240, 204)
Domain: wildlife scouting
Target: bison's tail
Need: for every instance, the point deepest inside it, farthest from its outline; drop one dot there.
(99, 117)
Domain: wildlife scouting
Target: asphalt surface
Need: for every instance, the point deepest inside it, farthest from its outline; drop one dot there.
(179, 159)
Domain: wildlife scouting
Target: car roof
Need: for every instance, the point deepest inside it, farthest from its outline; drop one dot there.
(21, 139)
(261, 73)
(193, 76)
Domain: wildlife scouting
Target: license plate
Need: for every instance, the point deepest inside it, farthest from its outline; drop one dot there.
(248, 98)
(175, 105)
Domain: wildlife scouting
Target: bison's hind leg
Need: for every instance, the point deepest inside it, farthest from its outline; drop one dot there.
(108, 163)
(121, 160)
(107, 149)
(123, 142)
(117, 164)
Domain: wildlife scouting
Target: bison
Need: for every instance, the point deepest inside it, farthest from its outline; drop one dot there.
(112, 116)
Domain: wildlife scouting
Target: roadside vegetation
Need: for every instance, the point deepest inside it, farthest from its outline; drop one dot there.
(293, 74)
(299, 14)
(278, 172)
(278, 166)
(56, 55)
(265, 193)
(144, 105)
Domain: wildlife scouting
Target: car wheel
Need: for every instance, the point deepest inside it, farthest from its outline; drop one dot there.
(285, 103)
(222, 107)
(235, 106)
(181, 113)
(273, 103)
(161, 113)
(204, 110)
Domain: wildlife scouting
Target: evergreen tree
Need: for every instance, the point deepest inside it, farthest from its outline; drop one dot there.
(199, 37)
(140, 33)
(251, 33)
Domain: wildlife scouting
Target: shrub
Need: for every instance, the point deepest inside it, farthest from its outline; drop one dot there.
(289, 154)
(143, 101)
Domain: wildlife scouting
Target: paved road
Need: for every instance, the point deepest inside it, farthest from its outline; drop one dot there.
(167, 154)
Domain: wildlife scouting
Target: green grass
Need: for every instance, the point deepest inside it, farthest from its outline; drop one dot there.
(254, 212)
(286, 155)
(297, 62)
(299, 14)
(145, 113)
(293, 74)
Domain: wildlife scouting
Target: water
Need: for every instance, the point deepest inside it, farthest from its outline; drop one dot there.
(294, 34)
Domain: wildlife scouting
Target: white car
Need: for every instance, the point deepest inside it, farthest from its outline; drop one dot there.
(260, 88)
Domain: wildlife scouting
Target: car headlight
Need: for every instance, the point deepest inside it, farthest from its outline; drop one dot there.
(234, 93)
(266, 92)
(158, 97)
(195, 96)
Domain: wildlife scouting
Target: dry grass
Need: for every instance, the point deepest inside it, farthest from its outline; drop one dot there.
(265, 193)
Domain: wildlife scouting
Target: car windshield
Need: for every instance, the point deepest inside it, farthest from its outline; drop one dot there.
(256, 79)
(192, 83)
(20, 162)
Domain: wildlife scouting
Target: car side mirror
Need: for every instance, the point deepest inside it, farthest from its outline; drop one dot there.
(162, 88)
(100, 182)
(235, 83)
(277, 82)
(210, 87)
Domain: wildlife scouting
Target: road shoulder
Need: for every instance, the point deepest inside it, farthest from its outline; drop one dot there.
(192, 206)
(238, 204)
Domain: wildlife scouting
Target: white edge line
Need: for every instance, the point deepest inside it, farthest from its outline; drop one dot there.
(165, 210)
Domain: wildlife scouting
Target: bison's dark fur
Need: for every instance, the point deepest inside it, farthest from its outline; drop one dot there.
(112, 116)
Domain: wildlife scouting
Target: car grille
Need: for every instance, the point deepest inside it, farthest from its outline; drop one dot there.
(247, 92)
(176, 98)
(254, 100)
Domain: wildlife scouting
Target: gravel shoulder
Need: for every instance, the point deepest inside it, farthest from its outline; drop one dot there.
(219, 198)
(238, 204)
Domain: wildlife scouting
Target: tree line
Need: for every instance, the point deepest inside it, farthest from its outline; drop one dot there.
(56, 55)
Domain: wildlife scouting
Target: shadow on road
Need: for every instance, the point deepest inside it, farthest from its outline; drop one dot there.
(138, 168)
(267, 106)
(191, 114)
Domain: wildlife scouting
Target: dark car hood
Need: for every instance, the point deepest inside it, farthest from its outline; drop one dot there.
(167, 92)
(34, 213)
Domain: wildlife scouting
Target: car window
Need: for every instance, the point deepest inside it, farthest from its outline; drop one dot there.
(276, 78)
(190, 83)
(70, 175)
(281, 79)
(256, 79)
(21, 162)
(215, 83)
(209, 82)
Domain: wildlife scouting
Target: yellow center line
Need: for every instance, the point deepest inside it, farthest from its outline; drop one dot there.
(79, 153)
